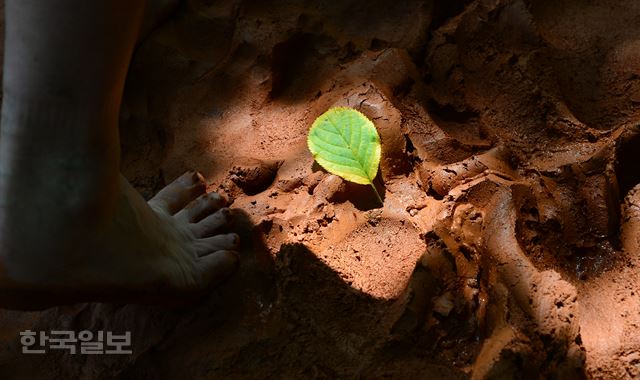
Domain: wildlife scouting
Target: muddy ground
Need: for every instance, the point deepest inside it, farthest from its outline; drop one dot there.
(508, 243)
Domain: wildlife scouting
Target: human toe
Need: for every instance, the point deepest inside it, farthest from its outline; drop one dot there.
(219, 242)
(201, 207)
(179, 193)
(212, 223)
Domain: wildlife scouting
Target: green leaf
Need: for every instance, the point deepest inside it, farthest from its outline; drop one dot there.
(346, 143)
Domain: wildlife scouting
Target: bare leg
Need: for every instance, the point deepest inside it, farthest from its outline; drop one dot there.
(71, 228)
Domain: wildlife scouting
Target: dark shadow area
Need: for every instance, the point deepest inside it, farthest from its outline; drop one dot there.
(297, 65)
(444, 10)
(598, 89)
(334, 329)
(234, 313)
(448, 114)
(628, 163)
(312, 325)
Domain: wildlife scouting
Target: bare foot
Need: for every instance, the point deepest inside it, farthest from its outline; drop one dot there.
(168, 251)
(175, 246)
(198, 218)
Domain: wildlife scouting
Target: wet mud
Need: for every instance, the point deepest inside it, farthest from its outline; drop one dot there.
(508, 245)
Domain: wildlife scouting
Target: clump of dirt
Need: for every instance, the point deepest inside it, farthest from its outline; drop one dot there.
(507, 246)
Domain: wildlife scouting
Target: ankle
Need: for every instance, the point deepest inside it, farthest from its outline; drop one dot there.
(45, 117)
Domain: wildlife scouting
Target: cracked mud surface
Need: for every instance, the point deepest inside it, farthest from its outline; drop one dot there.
(509, 239)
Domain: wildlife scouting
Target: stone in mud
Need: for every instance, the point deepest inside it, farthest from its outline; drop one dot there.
(331, 188)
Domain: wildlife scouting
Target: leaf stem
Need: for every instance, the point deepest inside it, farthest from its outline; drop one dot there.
(377, 194)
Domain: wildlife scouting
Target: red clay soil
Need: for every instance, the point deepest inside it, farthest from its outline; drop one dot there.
(508, 243)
